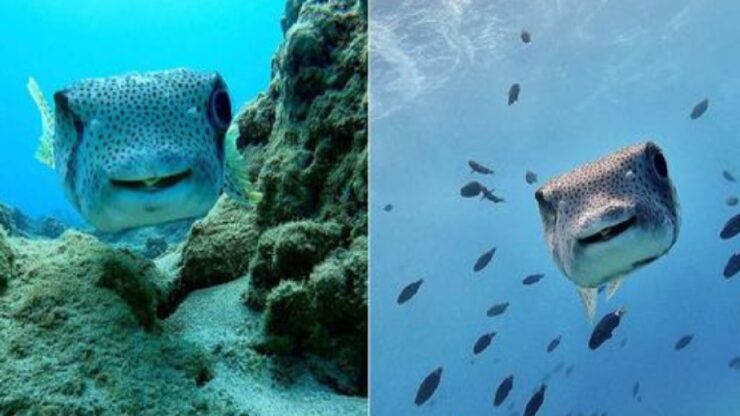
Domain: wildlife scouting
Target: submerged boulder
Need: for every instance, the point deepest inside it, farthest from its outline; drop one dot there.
(6, 261)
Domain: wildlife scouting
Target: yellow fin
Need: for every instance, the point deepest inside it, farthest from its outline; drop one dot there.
(45, 151)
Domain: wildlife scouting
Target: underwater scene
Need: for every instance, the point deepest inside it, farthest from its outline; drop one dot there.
(554, 217)
(183, 208)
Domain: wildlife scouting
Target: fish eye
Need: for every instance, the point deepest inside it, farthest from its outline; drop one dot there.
(660, 165)
(220, 108)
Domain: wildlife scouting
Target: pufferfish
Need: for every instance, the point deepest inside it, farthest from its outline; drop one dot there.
(608, 218)
(143, 148)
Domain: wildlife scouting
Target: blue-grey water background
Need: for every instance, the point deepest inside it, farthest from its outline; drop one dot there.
(597, 75)
(59, 42)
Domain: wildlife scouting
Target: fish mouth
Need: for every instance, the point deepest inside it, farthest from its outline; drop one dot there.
(608, 233)
(152, 184)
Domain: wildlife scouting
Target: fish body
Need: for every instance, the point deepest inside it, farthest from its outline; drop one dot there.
(409, 291)
(472, 189)
(503, 390)
(604, 329)
(477, 167)
(428, 386)
(734, 363)
(732, 266)
(497, 309)
(483, 260)
(483, 342)
(489, 195)
(530, 177)
(553, 344)
(388, 208)
(699, 109)
(683, 342)
(728, 176)
(514, 93)
(532, 279)
(731, 228)
(731, 201)
(525, 36)
(608, 218)
(535, 402)
(142, 148)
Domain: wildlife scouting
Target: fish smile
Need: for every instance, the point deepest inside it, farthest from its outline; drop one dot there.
(608, 233)
(152, 184)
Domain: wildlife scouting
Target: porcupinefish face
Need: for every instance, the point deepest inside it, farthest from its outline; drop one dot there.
(609, 217)
(142, 148)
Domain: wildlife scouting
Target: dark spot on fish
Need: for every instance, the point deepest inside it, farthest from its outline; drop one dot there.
(483, 260)
(728, 176)
(699, 109)
(733, 266)
(502, 392)
(409, 291)
(471, 189)
(428, 387)
(388, 208)
(477, 167)
(554, 344)
(497, 309)
(683, 342)
(532, 279)
(525, 36)
(731, 228)
(514, 93)
(535, 402)
(603, 330)
(483, 342)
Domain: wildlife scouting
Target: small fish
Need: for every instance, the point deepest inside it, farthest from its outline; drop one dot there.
(502, 392)
(530, 177)
(497, 309)
(409, 291)
(525, 36)
(558, 367)
(554, 344)
(428, 386)
(535, 402)
(569, 370)
(483, 342)
(488, 194)
(699, 109)
(472, 189)
(735, 363)
(605, 327)
(733, 266)
(532, 279)
(623, 343)
(731, 229)
(683, 342)
(636, 389)
(477, 167)
(388, 208)
(729, 176)
(514, 93)
(731, 201)
(483, 260)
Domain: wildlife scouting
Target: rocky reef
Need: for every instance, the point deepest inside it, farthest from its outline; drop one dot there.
(257, 310)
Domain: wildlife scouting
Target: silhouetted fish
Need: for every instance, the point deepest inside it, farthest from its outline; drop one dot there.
(428, 386)
(497, 309)
(569, 370)
(477, 167)
(483, 342)
(605, 327)
(503, 390)
(733, 266)
(532, 279)
(636, 389)
(735, 363)
(727, 175)
(699, 109)
(489, 195)
(471, 189)
(530, 177)
(683, 342)
(535, 402)
(526, 37)
(483, 260)
(554, 344)
(731, 201)
(388, 208)
(409, 291)
(514, 93)
(731, 229)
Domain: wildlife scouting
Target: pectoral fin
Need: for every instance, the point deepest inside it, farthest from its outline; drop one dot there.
(588, 297)
(611, 289)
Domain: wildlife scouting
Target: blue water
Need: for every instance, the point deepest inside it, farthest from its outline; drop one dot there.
(60, 42)
(598, 75)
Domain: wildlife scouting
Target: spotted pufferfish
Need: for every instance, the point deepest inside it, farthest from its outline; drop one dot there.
(143, 148)
(608, 218)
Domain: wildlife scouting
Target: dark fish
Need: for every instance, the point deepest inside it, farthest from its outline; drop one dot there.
(569, 370)
(699, 109)
(472, 189)
(488, 194)
(603, 330)
(497, 309)
(532, 279)
(683, 342)
(503, 390)
(409, 291)
(530, 177)
(388, 208)
(526, 37)
(727, 175)
(483, 260)
(735, 363)
(477, 167)
(731, 229)
(535, 402)
(731, 201)
(428, 386)
(483, 342)
(733, 266)
(554, 344)
(636, 389)
(514, 93)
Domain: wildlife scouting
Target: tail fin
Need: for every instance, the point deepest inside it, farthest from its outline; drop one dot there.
(45, 152)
